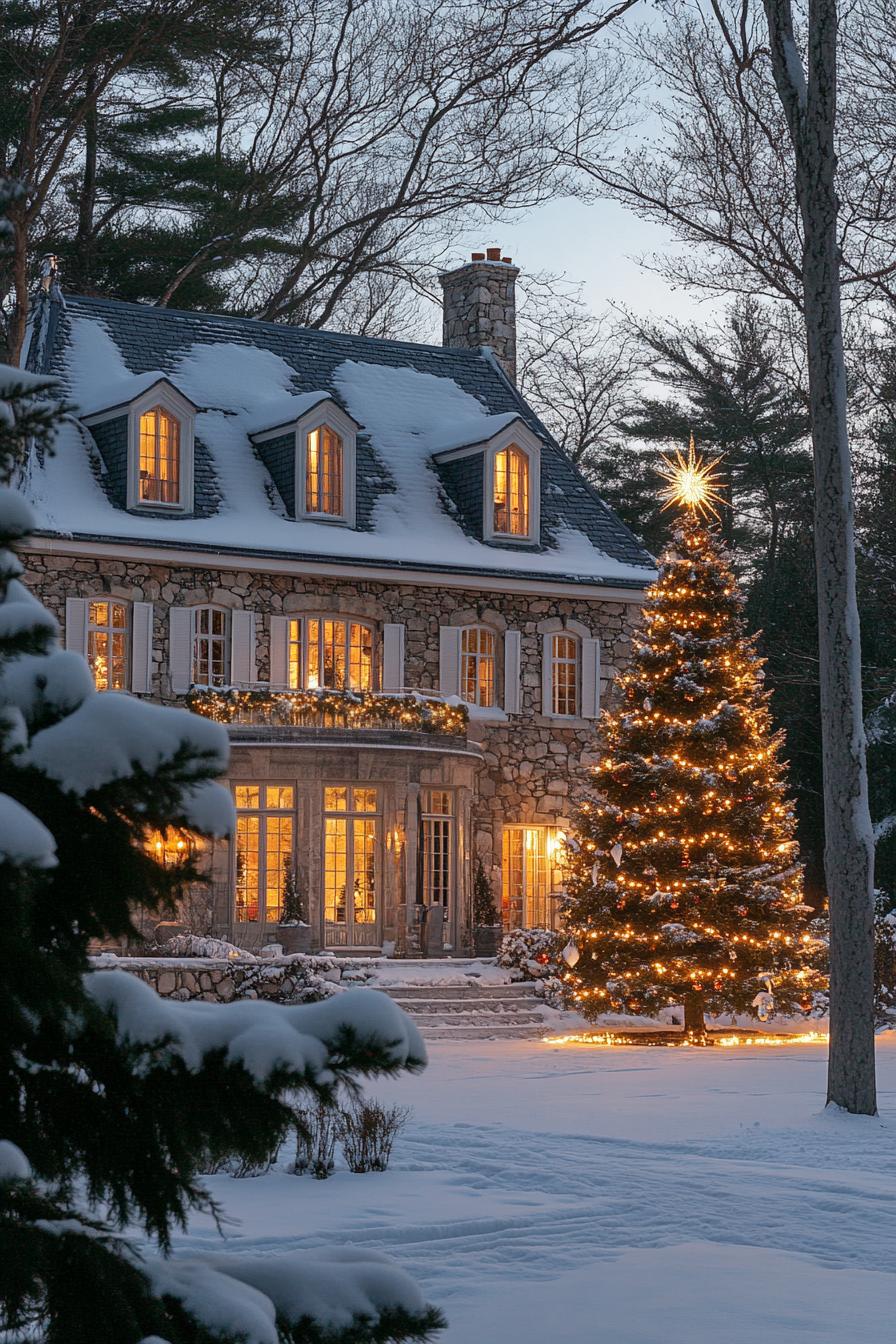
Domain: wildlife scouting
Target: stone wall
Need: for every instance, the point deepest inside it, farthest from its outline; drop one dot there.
(535, 767)
(281, 979)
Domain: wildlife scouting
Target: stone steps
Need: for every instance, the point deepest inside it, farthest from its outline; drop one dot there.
(471, 1012)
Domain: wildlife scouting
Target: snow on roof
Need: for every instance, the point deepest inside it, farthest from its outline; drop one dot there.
(107, 396)
(410, 401)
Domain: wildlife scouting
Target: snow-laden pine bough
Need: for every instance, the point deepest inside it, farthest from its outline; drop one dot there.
(112, 1097)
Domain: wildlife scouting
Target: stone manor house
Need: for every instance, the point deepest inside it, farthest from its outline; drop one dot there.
(370, 559)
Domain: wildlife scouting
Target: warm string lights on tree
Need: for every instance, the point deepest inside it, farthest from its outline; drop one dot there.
(685, 883)
(330, 708)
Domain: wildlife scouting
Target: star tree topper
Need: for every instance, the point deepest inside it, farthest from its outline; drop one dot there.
(692, 482)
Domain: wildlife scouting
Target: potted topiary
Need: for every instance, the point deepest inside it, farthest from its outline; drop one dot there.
(486, 924)
(293, 931)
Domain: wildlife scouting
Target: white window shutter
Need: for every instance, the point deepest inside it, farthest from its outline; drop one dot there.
(242, 648)
(279, 675)
(180, 649)
(512, 672)
(590, 678)
(76, 625)
(141, 647)
(547, 674)
(449, 660)
(393, 657)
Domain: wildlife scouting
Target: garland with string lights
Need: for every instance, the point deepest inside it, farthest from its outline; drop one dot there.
(330, 708)
(685, 884)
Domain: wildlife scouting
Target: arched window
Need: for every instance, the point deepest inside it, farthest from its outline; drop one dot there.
(159, 457)
(211, 646)
(478, 666)
(107, 643)
(324, 472)
(511, 492)
(565, 674)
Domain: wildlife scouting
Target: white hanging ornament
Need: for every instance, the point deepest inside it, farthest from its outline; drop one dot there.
(764, 1004)
(648, 703)
(616, 853)
(595, 873)
(570, 954)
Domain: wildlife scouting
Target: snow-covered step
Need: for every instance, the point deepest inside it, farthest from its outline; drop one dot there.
(470, 1011)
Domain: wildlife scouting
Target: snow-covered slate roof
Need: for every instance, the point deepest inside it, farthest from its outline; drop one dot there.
(410, 402)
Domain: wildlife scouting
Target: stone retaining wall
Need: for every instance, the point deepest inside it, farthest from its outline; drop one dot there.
(282, 979)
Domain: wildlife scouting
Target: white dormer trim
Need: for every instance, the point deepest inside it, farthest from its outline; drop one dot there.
(161, 393)
(520, 435)
(334, 417)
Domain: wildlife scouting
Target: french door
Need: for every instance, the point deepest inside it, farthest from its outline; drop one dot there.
(351, 867)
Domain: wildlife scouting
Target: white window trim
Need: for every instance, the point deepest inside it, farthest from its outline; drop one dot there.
(546, 631)
(566, 633)
(177, 405)
(495, 709)
(226, 638)
(527, 443)
(329, 414)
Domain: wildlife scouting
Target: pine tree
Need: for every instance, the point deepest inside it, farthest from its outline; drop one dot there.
(686, 884)
(110, 1097)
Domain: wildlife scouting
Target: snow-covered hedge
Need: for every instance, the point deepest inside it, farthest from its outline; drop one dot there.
(535, 954)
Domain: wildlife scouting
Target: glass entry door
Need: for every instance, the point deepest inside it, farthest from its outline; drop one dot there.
(528, 870)
(351, 866)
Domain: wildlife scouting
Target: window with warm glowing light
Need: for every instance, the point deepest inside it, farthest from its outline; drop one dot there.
(324, 472)
(478, 660)
(351, 865)
(565, 675)
(329, 653)
(511, 492)
(437, 826)
(265, 850)
(172, 847)
(107, 644)
(211, 646)
(159, 457)
(530, 877)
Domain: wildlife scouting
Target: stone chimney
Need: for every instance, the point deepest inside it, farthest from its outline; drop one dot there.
(479, 306)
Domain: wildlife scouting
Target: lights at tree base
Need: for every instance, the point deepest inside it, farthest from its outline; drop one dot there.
(727, 1041)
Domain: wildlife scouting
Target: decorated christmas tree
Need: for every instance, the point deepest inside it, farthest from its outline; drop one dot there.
(685, 885)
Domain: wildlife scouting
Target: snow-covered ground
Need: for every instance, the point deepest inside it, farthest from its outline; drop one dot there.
(628, 1195)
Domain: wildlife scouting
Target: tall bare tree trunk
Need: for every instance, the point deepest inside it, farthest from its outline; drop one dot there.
(809, 102)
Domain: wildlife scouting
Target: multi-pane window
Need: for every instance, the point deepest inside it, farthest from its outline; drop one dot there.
(437, 822)
(351, 865)
(511, 492)
(265, 850)
(565, 675)
(159, 457)
(335, 654)
(107, 644)
(528, 877)
(477, 665)
(324, 473)
(211, 646)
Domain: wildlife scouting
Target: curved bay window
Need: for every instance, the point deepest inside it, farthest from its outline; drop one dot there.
(511, 492)
(107, 644)
(565, 675)
(324, 473)
(329, 653)
(265, 850)
(478, 666)
(351, 865)
(159, 457)
(211, 646)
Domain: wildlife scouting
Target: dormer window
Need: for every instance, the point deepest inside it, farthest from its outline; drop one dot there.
(160, 473)
(144, 432)
(510, 478)
(324, 472)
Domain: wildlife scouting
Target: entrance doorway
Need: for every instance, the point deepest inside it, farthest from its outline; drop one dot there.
(531, 893)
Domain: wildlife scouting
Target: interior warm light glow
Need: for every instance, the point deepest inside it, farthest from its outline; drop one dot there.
(692, 482)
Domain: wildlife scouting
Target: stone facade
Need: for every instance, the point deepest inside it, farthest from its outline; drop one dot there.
(526, 769)
(479, 307)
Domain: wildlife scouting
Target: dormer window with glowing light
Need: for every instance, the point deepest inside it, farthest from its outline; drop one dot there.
(160, 475)
(324, 472)
(511, 492)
